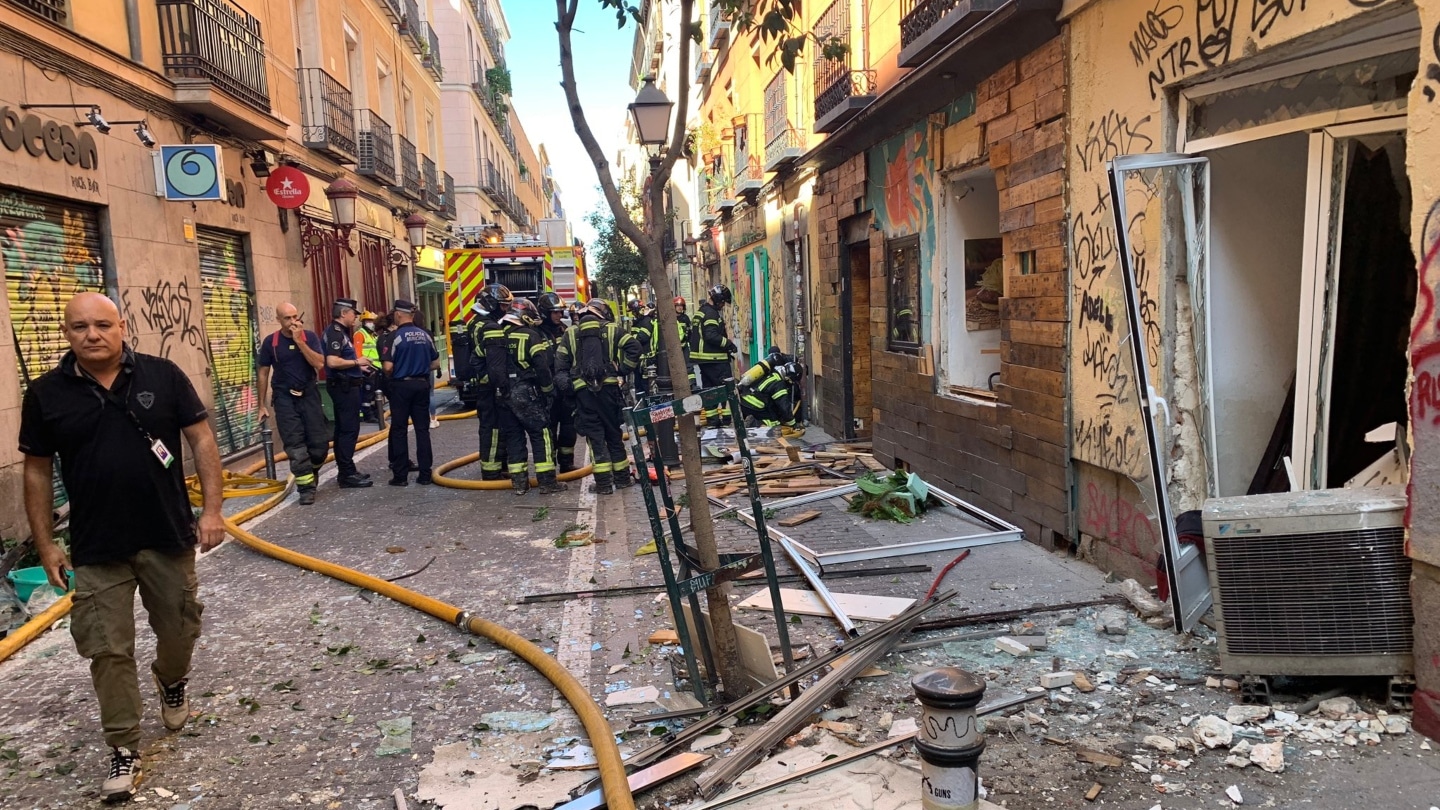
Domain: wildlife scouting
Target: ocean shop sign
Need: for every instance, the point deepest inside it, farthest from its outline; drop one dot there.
(19, 129)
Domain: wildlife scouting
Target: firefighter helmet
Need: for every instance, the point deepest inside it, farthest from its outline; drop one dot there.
(720, 295)
(494, 298)
(524, 312)
(550, 302)
(601, 308)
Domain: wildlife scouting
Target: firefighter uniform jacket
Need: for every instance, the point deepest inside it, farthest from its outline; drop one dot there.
(771, 397)
(519, 354)
(711, 344)
(485, 334)
(596, 352)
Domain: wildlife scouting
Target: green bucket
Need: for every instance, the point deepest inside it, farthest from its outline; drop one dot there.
(26, 580)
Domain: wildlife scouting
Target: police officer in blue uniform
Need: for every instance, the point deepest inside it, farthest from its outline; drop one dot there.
(410, 359)
(344, 377)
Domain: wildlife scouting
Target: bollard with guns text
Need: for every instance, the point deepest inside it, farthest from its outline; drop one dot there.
(949, 740)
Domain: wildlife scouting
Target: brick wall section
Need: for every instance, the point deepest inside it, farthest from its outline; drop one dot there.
(841, 194)
(1010, 457)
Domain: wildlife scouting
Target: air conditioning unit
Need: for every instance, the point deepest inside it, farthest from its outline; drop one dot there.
(1311, 583)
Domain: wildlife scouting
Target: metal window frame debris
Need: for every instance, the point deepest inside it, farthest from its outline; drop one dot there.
(1001, 532)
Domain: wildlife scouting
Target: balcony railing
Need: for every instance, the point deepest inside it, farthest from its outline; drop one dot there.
(393, 9)
(489, 97)
(412, 26)
(785, 147)
(488, 31)
(703, 67)
(447, 202)
(719, 30)
(430, 184)
(376, 144)
(430, 51)
(490, 179)
(850, 92)
(327, 115)
(52, 10)
(211, 39)
(409, 170)
(507, 135)
(927, 26)
(749, 171)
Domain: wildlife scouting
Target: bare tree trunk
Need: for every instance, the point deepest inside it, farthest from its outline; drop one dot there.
(648, 241)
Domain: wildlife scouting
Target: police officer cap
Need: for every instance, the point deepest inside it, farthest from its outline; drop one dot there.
(347, 303)
(401, 305)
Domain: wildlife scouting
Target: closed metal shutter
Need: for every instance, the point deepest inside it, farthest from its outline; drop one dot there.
(229, 302)
(52, 251)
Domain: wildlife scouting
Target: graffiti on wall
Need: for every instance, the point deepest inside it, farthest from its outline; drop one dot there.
(1166, 41)
(166, 311)
(48, 259)
(1107, 514)
(231, 337)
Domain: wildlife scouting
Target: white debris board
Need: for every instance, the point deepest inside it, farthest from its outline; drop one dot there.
(857, 606)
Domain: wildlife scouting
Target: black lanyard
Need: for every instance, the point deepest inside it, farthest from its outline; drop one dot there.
(122, 403)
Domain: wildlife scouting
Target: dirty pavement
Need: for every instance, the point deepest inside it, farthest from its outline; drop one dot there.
(307, 692)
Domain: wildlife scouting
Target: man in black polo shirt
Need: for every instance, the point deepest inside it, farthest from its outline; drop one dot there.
(344, 376)
(295, 355)
(115, 418)
(409, 358)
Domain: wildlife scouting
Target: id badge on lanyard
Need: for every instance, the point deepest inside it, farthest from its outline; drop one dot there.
(162, 453)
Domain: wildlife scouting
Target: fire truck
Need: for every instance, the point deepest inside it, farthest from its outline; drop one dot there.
(527, 264)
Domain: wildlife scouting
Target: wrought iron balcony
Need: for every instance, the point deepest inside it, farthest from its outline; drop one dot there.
(211, 40)
(376, 145)
(719, 31)
(429, 184)
(838, 102)
(52, 10)
(327, 115)
(392, 9)
(490, 179)
(703, 67)
(507, 134)
(490, 98)
(430, 52)
(412, 26)
(447, 202)
(785, 147)
(927, 26)
(749, 171)
(409, 170)
(488, 31)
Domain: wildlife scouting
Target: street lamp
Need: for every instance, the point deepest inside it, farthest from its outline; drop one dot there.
(342, 195)
(415, 230)
(650, 111)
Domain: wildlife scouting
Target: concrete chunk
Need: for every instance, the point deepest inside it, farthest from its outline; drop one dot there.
(1010, 645)
(1055, 680)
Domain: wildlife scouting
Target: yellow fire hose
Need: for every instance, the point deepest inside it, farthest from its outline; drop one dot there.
(613, 778)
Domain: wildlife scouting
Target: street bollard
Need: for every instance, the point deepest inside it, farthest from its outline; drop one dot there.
(267, 441)
(949, 741)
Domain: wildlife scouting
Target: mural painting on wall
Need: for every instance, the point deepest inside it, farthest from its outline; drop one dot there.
(738, 313)
(1116, 102)
(49, 257)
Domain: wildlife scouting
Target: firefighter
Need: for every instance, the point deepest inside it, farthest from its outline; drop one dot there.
(711, 348)
(562, 408)
(486, 333)
(647, 334)
(524, 383)
(770, 401)
(682, 317)
(591, 361)
(367, 345)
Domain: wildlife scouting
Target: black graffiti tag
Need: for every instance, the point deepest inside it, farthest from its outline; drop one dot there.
(1111, 136)
(168, 310)
(1268, 12)
(1152, 31)
(1214, 24)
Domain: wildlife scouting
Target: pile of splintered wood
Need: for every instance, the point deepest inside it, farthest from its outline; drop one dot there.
(786, 470)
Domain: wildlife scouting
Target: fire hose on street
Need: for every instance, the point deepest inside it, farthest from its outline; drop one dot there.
(613, 777)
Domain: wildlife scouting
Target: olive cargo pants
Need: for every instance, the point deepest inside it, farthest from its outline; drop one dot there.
(103, 625)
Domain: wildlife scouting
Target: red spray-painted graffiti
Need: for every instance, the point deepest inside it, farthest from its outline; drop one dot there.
(1119, 521)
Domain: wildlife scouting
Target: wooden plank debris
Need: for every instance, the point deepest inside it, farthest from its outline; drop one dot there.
(796, 520)
(1094, 792)
(857, 606)
(1098, 758)
(641, 780)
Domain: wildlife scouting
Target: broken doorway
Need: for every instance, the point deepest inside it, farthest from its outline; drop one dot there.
(855, 338)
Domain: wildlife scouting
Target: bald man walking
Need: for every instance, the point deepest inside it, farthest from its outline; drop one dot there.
(291, 359)
(115, 418)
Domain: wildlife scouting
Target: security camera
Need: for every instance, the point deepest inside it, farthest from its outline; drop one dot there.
(143, 133)
(98, 121)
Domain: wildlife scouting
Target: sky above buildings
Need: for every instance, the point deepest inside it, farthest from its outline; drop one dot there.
(602, 67)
